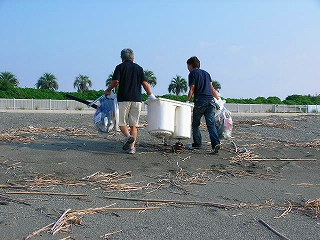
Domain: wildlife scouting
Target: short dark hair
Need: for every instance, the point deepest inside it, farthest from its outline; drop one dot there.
(127, 54)
(194, 62)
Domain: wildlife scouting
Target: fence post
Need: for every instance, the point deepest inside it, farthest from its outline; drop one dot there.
(49, 104)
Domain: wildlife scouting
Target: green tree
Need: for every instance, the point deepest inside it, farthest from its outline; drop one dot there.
(315, 99)
(47, 81)
(109, 79)
(82, 83)
(216, 85)
(5, 85)
(274, 100)
(10, 77)
(260, 100)
(297, 99)
(178, 85)
(151, 78)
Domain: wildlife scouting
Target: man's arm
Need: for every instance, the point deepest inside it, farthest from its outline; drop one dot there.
(214, 92)
(191, 92)
(112, 85)
(146, 87)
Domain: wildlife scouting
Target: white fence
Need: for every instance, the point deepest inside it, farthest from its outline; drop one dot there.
(49, 104)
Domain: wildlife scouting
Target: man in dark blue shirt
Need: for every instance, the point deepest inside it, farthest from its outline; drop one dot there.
(130, 77)
(200, 86)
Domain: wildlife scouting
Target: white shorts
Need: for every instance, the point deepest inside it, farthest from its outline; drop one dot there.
(129, 113)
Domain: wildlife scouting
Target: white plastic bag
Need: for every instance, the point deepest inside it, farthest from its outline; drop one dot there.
(106, 117)
(223, 120)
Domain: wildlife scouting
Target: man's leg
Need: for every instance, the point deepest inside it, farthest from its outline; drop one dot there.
(134, 115)
(125, 131)
(210, 121)
(196, 119)
(124, 109)
(134, 133)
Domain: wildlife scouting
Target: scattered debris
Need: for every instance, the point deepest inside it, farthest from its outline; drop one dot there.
(263, 122)
(311, 208)
(285, 213)
(244, 156)
(21, 135)
(70, 217)
(313, 144)
(109, 234)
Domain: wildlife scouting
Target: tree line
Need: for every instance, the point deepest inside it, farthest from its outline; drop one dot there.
(47, 86)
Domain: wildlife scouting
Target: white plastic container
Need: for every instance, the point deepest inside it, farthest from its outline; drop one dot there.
(169, 119)
(160, 118)
(182, 127)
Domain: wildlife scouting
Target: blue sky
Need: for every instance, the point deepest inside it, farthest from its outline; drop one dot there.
(251, 47)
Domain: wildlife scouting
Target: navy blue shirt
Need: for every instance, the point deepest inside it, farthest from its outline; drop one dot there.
(130, 76)
(202, 82)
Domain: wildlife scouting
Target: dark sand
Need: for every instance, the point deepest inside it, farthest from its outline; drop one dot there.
(288, 172)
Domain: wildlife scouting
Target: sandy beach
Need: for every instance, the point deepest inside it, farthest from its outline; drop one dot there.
(58, 173)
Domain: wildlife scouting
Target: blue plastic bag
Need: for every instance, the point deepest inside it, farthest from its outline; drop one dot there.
(106, 117)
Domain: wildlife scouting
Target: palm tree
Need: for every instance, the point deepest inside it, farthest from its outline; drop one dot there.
(151, 78)
(47, 81)
(178, 85)
(216, 85)
(82, 83)
(10, 77)
(109, 80)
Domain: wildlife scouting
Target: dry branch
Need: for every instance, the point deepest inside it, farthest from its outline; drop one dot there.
(284, 159)
(51, 193)
(59, 223)
(74, 213)
(109, 234)
(13, 200)
(285, 213)
(273, 230)
(11, 186)
(39, 231)
(72, 217)
(212, 204)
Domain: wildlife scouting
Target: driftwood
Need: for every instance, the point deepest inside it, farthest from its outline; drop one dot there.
(96, 210)
(11, 186)
(283, 159)
(39, 231)
(72, 216)
(273, 230)
(51, 193)
(211, 204)
(59, 223)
